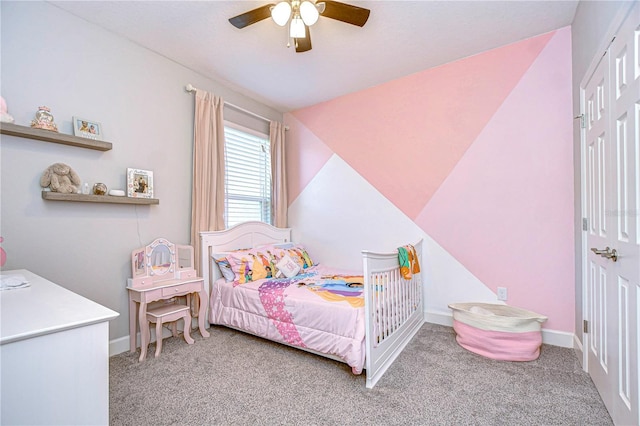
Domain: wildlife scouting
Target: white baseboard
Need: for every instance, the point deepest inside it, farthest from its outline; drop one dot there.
(562, 339)
(557, 338)
(440, 318)
(118, 346)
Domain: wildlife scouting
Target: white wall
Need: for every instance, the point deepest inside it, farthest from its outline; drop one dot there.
(588, 31)
(52, 58)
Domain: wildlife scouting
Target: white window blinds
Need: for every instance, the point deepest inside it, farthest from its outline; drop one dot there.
(247, 176)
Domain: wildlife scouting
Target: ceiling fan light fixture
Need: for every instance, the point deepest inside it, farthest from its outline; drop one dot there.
(296, 29)
(300, 15)
(281, 13)
(309, 12)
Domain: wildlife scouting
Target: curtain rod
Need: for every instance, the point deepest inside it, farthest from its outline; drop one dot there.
(190, 88)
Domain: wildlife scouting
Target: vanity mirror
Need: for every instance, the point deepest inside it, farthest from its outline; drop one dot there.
(161, 257)
(160, 261)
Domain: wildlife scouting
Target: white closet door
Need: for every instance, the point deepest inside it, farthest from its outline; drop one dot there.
(612, 170)
(598, 174)
(624, 62)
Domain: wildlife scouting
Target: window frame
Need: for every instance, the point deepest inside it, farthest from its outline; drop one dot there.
(267, 199)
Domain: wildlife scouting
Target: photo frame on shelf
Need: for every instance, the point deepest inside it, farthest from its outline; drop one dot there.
(87, 128)
(139, 183)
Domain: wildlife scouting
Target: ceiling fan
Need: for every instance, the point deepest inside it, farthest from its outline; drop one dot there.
(301, 14)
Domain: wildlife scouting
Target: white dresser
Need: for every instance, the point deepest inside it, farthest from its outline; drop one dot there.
(54, 356)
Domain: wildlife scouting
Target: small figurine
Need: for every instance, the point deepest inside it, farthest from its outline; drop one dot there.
(5, 117)
(44, 120)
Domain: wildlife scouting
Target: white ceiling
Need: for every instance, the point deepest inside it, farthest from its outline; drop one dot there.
(400, 38)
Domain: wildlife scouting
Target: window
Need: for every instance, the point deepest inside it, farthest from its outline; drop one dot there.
(247, 175)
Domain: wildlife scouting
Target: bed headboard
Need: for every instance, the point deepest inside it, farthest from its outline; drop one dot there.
(241, 236)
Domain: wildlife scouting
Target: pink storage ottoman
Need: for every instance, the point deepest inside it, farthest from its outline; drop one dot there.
(500, 332)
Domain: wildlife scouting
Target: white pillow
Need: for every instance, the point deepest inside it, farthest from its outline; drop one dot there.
(288, 266)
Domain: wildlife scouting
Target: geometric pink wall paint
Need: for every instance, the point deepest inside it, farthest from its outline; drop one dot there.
(477, 153)
(412, 131)
(506, 209)
(304, 158)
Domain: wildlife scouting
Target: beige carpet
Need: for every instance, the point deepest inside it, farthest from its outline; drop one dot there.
(233, 378)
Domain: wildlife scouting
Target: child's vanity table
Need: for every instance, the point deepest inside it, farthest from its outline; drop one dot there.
(162, 271)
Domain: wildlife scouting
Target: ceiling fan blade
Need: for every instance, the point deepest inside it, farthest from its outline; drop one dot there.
(345, 12)
(252, 16)
(303, 44)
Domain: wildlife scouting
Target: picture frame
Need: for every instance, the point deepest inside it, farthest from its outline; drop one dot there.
(139, 183)
(89, 129)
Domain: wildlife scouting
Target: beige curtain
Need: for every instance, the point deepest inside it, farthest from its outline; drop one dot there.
(207, 195)
(279, 204)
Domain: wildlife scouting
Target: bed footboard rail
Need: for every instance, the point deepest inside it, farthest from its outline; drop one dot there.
(393, 310)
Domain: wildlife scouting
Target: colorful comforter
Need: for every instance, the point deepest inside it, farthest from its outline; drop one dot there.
(320, 309)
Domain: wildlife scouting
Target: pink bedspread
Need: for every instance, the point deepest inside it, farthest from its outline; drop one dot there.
(321, 309)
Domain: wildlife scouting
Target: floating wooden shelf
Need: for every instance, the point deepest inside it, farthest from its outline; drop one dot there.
(49, 136)
(83, 198)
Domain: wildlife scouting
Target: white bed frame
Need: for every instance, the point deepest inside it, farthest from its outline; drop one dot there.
(393, 305)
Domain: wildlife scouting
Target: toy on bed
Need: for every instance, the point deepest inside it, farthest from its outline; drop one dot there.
(262, 283)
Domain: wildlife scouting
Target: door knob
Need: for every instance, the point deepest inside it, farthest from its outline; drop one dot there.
(606, 253)
(613, 255)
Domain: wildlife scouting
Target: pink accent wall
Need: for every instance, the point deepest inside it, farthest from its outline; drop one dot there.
(478, 153)
(415, 129)
(304, 158)
(506, 209)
